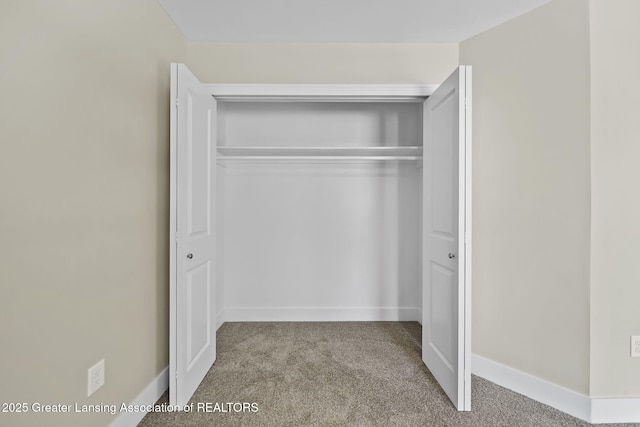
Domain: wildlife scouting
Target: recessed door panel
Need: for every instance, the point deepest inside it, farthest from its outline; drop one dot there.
(199, 321)
(444, 167)
(199, 165)
(443, 288)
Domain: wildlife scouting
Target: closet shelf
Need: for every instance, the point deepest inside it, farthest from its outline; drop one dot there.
(320, 153)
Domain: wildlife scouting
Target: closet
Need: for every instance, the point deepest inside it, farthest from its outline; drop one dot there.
(320, 203)
(320, 210)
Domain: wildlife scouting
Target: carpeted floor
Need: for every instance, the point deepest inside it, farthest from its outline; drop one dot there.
(340, 374)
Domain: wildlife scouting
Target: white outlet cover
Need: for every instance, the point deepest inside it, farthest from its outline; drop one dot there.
(95, 377)
(635, 346)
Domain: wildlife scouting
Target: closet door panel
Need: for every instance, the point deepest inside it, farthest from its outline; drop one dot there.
(446, 226)
(192, 271)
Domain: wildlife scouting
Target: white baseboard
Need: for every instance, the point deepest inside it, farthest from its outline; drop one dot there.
(592, 410)
(563, 399)
(219, 319)
(616, 410)
(148, 396)
(323, 314)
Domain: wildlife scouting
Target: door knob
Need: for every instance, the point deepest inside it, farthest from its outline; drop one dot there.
(189, 256)
(452, 256)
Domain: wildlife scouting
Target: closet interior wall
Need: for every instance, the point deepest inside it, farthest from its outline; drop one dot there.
(319, 210)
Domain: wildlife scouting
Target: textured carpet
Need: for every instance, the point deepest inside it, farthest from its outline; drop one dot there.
(340, 374)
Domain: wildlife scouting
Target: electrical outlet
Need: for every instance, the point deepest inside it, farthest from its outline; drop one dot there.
(96, 377)
(635, 346)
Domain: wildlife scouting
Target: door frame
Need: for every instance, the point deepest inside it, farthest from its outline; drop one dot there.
(415, 93)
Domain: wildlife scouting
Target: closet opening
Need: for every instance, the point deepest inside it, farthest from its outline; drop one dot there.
(319, 210)
(320, 203)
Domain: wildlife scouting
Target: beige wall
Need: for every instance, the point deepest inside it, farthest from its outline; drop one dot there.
(322, 62)
(531, 193)
(615, 230)
(84, 214)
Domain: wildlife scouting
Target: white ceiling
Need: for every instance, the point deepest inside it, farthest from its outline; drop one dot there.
(367, 21)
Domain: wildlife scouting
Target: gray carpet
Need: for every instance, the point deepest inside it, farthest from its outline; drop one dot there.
(340, 374)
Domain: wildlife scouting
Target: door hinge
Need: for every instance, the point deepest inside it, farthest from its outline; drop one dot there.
(177, 103)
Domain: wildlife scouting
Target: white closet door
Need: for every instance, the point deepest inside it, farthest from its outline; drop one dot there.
(446, 237)
(192, 275)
